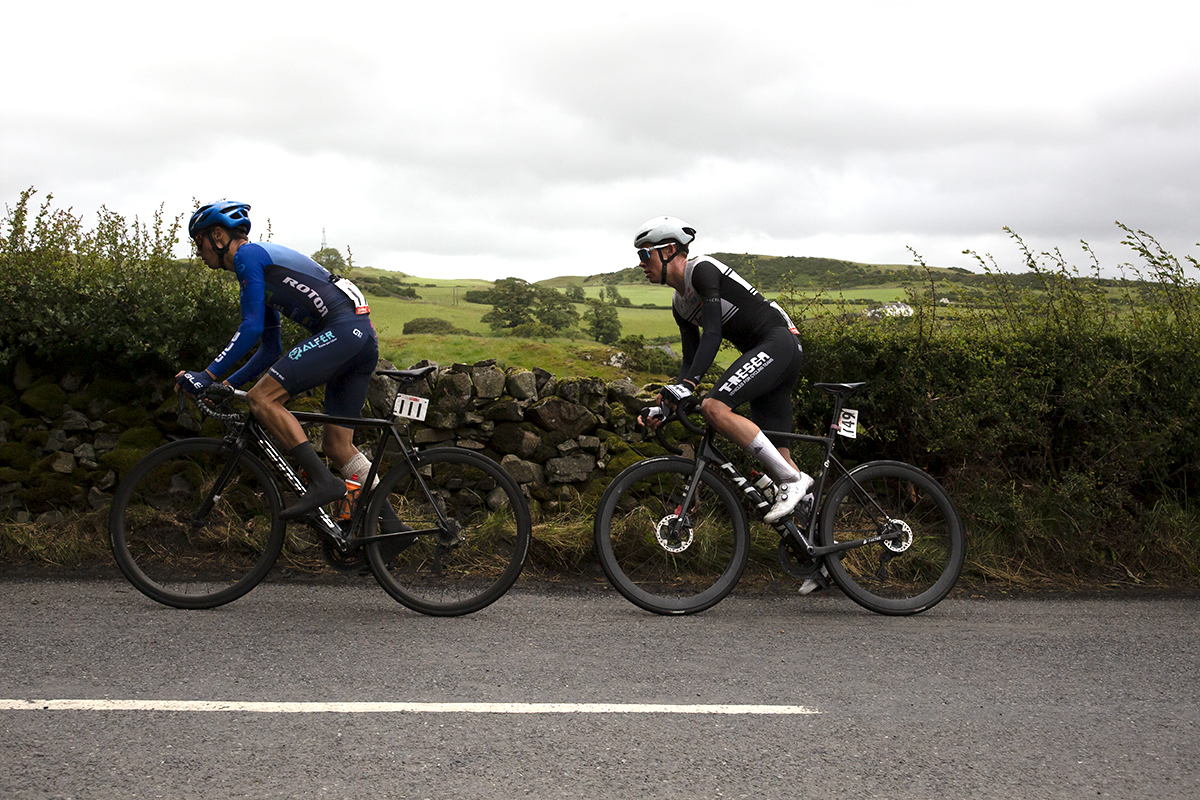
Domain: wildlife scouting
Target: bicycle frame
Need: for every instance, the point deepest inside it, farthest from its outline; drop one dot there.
(252, 431)
(708, 453)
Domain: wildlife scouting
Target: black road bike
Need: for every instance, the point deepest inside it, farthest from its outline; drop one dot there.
(196, 523)
(673, 537)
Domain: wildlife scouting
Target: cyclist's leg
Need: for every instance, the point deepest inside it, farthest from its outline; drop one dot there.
(346, 387)
(266, 399)
(318, 360)
(764, 377)
(345, 395)
(772, 410)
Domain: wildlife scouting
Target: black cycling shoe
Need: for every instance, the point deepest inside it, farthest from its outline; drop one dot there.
(319, 493)
(322, 486)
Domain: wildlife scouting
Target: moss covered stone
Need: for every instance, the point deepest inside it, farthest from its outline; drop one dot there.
(146, 438)
(44, 398)
(113, 389)
(122, 459)
(16, 455)
(129, 416)
(48, 490)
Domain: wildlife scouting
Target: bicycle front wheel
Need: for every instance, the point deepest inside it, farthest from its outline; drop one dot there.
(917, 566)
(194, 525)
(463, 558)
(662, 557)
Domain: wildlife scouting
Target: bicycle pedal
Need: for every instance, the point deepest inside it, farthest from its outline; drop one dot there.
(817, 581)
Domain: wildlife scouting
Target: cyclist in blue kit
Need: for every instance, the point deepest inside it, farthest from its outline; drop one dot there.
(341, 352)
(712, 303)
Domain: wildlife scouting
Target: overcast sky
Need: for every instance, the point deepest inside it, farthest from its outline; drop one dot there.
(495, 139)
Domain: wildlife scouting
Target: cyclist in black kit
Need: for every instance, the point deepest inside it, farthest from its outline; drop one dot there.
(711, 303)
(341, 353)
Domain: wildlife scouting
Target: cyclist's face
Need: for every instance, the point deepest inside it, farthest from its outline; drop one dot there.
(204, 248)
(653, 261)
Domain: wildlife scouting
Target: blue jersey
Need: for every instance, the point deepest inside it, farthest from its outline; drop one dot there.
(277, 282)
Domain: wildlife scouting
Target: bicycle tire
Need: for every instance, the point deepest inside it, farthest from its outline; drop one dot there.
(179, 555)
(458, 571)
(875, 576)
(647, 564)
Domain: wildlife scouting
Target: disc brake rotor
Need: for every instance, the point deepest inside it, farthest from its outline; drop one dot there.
(450, 535)
(902, 533)
(673, 534)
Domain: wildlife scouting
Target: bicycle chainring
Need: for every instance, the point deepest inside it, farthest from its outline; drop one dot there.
(340, 561)
(904, 536)
(674, 534)
(794, 562)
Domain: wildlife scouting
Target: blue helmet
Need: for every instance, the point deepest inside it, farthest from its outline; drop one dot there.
(226, 213)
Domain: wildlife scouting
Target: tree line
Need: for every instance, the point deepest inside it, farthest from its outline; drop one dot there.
(522, 309)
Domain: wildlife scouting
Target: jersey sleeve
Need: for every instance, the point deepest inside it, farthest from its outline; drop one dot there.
(268, 351)
(706, 280)
(689, 334)
(249, 264)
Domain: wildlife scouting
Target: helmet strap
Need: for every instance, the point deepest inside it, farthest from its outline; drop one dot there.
(662, 278)
(220, 251)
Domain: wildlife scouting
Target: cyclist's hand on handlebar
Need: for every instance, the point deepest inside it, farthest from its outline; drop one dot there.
(670, 396)
(194, 383)
(652, 417)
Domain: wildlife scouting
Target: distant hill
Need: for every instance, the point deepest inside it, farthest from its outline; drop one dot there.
(775, 273)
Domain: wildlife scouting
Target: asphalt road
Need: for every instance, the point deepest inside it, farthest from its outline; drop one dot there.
(977, 698)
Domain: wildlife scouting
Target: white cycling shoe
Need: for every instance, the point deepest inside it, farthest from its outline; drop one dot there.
(816, 582)
(788, 496)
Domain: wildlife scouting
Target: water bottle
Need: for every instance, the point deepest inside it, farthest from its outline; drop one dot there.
(765, 486)
(346, 504)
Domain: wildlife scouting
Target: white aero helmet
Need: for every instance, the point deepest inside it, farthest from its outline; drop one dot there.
(661, 230)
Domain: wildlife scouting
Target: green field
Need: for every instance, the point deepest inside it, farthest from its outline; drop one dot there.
(443, 299)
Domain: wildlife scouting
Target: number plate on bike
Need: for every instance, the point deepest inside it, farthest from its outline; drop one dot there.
(848, 424)
(411, 407)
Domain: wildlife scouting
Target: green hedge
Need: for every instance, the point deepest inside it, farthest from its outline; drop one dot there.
(1063, 413)
(112, 295)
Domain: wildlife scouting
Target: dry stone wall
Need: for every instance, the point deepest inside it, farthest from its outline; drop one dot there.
(66, 440)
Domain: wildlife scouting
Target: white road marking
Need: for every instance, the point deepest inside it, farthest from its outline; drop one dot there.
(394, 708)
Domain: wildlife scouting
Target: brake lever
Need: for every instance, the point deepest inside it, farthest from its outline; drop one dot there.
(658, 431)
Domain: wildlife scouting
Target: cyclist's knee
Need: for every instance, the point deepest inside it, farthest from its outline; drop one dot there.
(714, 411)
(265, 395)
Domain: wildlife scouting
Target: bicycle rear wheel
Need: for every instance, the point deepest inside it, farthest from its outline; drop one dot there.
(194, 526)
(472, 559)
(661, 559)
(916, 568)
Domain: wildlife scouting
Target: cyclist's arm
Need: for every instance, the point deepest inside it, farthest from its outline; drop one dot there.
(268, 351)
(254, 310)
(706, 281)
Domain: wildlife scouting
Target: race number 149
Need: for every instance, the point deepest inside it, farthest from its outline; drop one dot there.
(848, 424)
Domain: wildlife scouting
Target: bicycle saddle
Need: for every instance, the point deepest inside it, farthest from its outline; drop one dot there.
(406, 374)
(841, 389)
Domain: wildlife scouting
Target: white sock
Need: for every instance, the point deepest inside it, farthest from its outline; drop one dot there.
(358, 465)
(768, 455)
